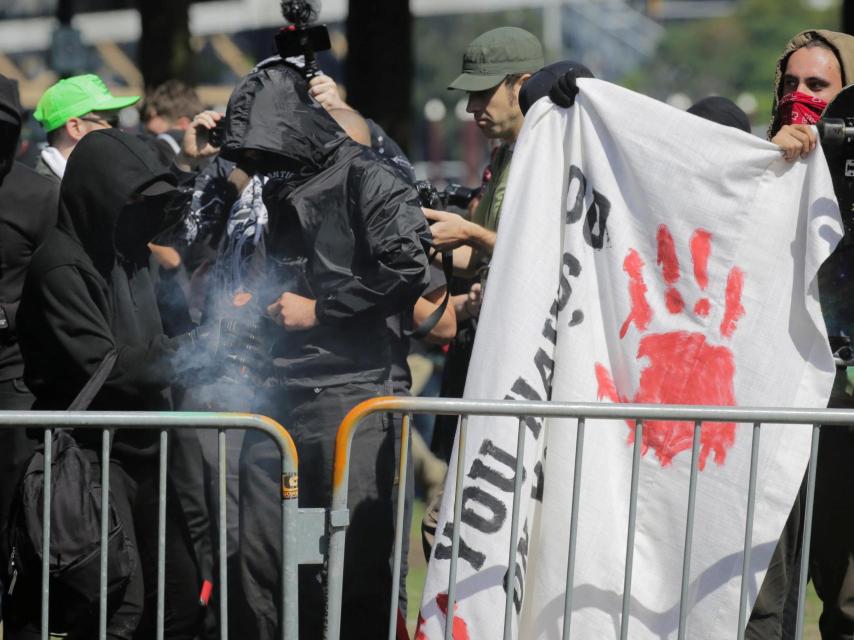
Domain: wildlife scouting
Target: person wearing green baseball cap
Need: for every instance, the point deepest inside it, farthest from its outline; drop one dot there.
(69, 110)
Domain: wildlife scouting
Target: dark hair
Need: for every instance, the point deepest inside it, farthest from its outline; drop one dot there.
(511, 79)
(53, 136)
(818, 42)
(172, 100)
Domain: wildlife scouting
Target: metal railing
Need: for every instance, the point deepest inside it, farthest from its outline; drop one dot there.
(581, 412)
(293, 552)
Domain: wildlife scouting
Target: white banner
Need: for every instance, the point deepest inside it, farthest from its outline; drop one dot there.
(644, 255)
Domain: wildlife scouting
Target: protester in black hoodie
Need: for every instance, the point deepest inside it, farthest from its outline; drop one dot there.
(27, 213)
(344, 249)
(88, 294)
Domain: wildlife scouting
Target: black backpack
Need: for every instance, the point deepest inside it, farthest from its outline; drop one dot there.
(75, 515)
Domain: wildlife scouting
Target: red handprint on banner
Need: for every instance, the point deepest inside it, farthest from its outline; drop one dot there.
(683, 367)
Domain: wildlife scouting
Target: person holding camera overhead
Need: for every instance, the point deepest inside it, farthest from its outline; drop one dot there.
(339, 246)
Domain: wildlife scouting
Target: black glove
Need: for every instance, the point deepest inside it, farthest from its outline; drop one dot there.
(564, 90)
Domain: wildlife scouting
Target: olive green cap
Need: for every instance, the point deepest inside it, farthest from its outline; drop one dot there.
(74, 97)
(496, 54)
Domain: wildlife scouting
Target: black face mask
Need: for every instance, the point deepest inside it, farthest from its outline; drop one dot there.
(137, 225)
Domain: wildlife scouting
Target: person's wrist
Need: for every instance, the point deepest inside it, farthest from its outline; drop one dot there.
(469, 309)
(476, 234)
(185, 162)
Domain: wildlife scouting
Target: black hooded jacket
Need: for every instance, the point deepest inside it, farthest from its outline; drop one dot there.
(343, 230)
(88, 291)
(28, 204)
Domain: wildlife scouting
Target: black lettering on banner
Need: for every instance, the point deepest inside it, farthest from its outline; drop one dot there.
(521, 570)
(443, 551)
(476, 496)
(546, 366)
(524, 390)
(596, 230)
(549, 331)
(481, 471)
(571, 269)
(537, 486)
(534, 425)
(573, 214)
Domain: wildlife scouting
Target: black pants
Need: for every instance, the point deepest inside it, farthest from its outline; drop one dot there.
(16, 449)
(831, 550)
(312, 417)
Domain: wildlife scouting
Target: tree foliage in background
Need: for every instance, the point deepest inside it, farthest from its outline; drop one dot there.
(731, 55)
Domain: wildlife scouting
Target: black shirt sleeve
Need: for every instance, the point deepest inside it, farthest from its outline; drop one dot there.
(395, 272)
(77, 329)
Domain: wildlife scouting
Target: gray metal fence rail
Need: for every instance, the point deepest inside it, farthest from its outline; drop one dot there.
(292, 555)
(581, 412)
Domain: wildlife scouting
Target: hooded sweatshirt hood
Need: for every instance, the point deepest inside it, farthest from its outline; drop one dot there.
(10, 124)
(271, 112)
(105, 170)
(841, 44)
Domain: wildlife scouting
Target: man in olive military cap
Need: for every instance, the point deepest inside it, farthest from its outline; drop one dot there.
(495, 66)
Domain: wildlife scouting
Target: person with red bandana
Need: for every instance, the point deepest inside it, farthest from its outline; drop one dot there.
(813, 69)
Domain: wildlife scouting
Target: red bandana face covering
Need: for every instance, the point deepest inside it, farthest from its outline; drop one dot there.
(800, 108)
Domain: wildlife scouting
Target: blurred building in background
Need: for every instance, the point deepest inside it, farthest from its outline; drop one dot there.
(674, 50)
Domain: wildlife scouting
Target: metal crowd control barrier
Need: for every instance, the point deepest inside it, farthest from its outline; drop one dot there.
(296, 529)
(582, 412)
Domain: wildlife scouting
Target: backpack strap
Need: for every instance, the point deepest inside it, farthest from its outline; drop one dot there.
(433, 319)
(94, 384)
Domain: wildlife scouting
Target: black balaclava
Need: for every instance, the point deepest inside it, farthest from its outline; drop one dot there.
(106, 172)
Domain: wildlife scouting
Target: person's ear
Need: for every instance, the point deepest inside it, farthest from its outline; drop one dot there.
(517, 86)
(75, 129)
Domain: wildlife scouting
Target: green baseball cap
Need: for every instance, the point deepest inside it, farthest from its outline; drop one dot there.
(496, 54)
(74, 97)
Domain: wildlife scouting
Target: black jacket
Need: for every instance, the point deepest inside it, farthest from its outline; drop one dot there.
(343, 229)
(27, 212)
(88, 291)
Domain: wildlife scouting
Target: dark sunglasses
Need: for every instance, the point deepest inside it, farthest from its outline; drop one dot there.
(112, 121)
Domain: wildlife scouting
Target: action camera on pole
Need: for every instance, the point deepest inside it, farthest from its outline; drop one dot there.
(301, 37)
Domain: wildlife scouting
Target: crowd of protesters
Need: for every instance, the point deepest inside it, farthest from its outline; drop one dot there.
(279, 259)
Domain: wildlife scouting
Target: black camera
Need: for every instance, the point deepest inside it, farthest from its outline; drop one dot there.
(216, 136)
(454, 195)
(301, 37)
